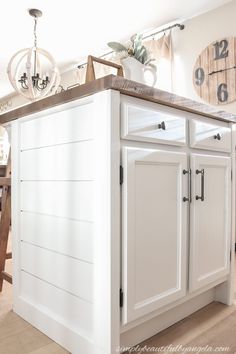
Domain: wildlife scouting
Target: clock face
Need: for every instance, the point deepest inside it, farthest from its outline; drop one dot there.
(214, 74)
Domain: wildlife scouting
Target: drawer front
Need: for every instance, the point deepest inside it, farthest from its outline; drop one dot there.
(210, 136)
(161, 125)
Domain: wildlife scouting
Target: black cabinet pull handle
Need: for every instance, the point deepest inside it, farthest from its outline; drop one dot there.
(217, 136)
(161, 125)
(189, 198)
(201, 197)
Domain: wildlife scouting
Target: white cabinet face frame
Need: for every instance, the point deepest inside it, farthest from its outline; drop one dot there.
(153, 264)
(210, 220)
(158, 125)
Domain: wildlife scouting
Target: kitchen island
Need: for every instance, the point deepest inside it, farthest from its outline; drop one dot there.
(123, 212)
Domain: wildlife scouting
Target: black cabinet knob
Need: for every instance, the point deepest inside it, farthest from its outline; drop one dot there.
(161, 125)
(217, 136)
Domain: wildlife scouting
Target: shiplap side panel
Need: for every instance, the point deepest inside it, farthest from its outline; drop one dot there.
(54, 230)
(69, 237)
(61, 162)
(57, 128)
(62, 271)
(73, 200)
(63, 307)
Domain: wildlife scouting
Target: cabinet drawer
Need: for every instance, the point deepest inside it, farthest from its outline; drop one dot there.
(163, 125)
(210, 136)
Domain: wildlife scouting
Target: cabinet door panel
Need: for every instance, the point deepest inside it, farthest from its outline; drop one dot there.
(154, 230)
(210, 220)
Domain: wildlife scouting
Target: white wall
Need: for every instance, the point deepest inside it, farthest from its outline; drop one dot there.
(199, 32)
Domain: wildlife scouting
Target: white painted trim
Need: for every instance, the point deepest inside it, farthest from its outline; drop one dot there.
(225, 292)
(107, 223)
(66, 337)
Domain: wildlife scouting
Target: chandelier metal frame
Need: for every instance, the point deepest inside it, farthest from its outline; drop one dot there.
(31, 84)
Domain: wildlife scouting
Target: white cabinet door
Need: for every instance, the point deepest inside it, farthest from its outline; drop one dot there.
(154, 230)
(210, 219)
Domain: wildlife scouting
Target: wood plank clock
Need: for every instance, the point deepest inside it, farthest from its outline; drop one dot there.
(214, 74)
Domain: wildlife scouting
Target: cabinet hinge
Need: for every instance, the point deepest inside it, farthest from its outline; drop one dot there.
(121, 298)
(230, 256)
(121, 175)
(231, 175)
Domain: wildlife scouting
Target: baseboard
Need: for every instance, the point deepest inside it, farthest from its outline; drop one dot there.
(148, 329)
(66, 337)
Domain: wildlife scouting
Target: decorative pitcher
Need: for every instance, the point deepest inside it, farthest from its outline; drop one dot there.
(134, 70)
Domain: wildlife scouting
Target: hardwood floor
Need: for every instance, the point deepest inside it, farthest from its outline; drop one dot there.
(212, 325)
(205, 327)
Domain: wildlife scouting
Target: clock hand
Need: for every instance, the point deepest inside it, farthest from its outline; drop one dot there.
(220, 71)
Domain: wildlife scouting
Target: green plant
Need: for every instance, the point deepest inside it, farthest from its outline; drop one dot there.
(134, 48)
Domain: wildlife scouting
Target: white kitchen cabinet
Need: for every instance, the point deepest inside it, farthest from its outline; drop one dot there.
(105, 219)
(210, 219)
(173, 211)
(154, 186)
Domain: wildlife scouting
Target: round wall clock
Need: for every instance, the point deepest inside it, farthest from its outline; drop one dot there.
(214, 74)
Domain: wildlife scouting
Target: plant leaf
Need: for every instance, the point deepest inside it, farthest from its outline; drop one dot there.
(149, 61)
(137, 45)
(133, 38)
(139, 37)
(117, 47)
(142, 55)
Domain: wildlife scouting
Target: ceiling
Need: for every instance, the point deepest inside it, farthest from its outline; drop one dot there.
(72, 29)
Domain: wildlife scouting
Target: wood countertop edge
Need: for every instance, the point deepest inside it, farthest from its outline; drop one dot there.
(126, 87)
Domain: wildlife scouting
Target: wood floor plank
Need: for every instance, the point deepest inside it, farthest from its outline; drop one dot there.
(51, 348)
(11, 325)
(192, 327)
(19, 337)
(220, 335)
(24, 341)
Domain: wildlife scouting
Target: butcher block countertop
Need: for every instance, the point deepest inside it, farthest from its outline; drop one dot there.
(126, 87)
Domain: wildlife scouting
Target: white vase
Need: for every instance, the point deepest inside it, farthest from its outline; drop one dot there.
(134, 70)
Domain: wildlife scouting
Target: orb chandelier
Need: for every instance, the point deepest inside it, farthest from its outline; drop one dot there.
(32, 71)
